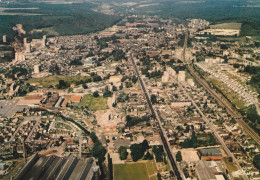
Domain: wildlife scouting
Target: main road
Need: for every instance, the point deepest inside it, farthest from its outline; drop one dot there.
(178, 173)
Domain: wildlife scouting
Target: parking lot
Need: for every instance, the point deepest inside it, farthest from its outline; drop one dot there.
(8, 108)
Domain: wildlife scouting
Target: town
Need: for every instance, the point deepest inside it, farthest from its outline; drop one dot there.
(144, 99)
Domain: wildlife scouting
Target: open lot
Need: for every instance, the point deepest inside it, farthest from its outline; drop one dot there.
(136, 171)
(236, 26)
(94, 104)
(230, 165)
(9, 108)
(53, 80)
(229, 93)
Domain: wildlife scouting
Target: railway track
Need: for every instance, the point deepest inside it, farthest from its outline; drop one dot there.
(236, 116)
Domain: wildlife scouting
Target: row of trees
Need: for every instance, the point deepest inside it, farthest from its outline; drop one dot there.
(138, 150)
(133, 79)
(122, 152)
(154, 74)
(132, 121)
(98, 151)
(17, 70)
(141, 151)
(194, 142)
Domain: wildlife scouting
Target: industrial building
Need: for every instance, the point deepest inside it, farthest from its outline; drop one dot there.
(210, 170)
(59, 168)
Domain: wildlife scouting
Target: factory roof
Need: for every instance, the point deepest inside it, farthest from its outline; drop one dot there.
(54, 167)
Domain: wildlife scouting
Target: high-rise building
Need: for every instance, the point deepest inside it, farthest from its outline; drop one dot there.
(181, 76)
(19, 56)
(165, 77)
(27, 46)
(4, 39)
(36, 69)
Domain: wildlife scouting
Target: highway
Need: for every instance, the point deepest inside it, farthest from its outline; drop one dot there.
(178, 173)
(236, 116)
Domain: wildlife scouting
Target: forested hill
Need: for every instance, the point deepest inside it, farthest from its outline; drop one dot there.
(216, 11)
(57, 19)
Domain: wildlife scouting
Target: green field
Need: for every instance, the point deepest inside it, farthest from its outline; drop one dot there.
(230, 165)
(229, 93)
(236, 26)
(136, 171)
(94, 104)
(53, 80)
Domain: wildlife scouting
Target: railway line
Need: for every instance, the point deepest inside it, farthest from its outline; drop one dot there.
(236, 116)
(219, 138)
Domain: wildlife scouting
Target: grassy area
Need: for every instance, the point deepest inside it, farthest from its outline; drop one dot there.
(236, 26)
(230, 94)
(232, 39)
(94, 104)
(230, 165)
(136, 171)
(53, 80)
(151, 167)
(60, 125)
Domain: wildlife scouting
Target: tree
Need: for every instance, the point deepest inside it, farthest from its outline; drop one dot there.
(107, 93)
(96, 77)
(159, 176)
(54, 69)
(153, 99)
(178, 156)
(122, 152)
(114, 104)
(94, 137)
(145, 144)
(148, 156)
(131, 121)
(233, 121)
(76, 62)
(256, 161)
(158, 152)
(114, 88)
(110, 167)
(85, 86)
(98, 151)
(134, 79)
(136, 152)
(95, 94)
(62, 84)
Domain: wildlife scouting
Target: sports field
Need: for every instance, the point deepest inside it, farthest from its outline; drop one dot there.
(136, 171)
(94, 103)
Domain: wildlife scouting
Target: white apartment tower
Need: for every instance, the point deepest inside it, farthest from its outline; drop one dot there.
(181, 76)
(36, 69)
(4, 38)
